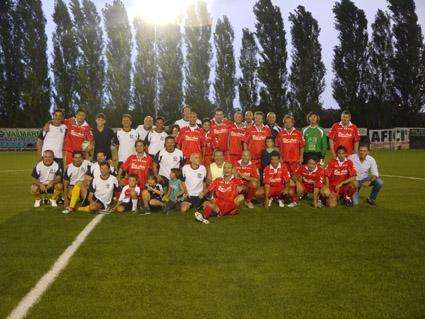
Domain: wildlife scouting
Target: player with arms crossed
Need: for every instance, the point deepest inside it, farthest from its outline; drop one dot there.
(340, 179)
(227, 197)
(47, 179)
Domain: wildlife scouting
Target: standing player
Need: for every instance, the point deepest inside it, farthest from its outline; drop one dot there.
(316, 142)
(156, 138)
(166, 159)
(140, 164)
(340, 179)
(255, 138)
(53, 138)
(310, 179)
(271, 123)
(47, 179)
(78, 136)
(236, 139)
(75, 184)
(191, 138)
(103, 137)
(248, 172)
(210, 142)
(220, 130)
(249, 119)
(101, 190)
(143, 130)
(129, 196)
(345, 134)
(194, 176)
(125, 139)
(276, 178)
(184, 121)
(227, 197)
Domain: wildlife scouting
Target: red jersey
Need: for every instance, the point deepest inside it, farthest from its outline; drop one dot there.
(249, 169)
(141, 166)
(345, 136)
(313, 179)
(191, 140)
(76, 134)
(290, 144)
(236, 139)
(255, 137)
(338, 172)
(225, 190)
(276, 177)
(221, 133)
(210, 143)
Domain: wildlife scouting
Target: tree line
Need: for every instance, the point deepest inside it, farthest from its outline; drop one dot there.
(379, 78)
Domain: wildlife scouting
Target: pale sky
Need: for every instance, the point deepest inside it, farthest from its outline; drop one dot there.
(241, 15)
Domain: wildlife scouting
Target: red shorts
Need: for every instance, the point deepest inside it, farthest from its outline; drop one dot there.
(275, 192)
(344, 191)
(233, 158)
(226, 207)
(292, 167)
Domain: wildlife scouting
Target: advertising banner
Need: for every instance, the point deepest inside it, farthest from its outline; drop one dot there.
(18, 138)
(394, 139)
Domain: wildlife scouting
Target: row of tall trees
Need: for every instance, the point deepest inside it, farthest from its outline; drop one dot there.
(380, 78)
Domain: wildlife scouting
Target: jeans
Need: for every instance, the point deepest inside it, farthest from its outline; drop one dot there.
(376, 187)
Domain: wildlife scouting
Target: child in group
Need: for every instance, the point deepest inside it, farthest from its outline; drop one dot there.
(175, 189)
(129, 196)
(265, 155)
(152, 195)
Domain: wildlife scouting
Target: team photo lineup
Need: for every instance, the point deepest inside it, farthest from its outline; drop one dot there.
(215, 166)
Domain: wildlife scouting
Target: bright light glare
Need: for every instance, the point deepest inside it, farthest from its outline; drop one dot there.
(161, 11)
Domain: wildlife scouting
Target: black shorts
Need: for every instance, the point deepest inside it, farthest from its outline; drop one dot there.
(127, 206)
(195, 201)
(316, 155)
(60, 163)
(97, 201)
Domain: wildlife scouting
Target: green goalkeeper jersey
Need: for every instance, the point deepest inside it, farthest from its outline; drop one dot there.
(315, 139)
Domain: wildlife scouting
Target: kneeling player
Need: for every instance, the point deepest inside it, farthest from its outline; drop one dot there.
(276, 181)
(309, 179)
(101, 190)
(75, 183)
(340, 179)
(248, 172)
(152, 195)
(129, 196)
(47, 179)
(227, 196)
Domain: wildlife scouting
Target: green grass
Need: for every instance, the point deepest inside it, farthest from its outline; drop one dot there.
(361, 262)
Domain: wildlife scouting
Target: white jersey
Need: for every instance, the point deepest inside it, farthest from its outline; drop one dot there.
(125, 196)
(167, 161)
(126, 141)
(194, 179)
(95, 170)
(103, 189)
(74, 174)
(155, 141)
(45, 174)
(142, 132)
(183, 123)
(53, 139)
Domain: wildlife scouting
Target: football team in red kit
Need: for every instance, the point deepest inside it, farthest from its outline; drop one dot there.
(215, 165)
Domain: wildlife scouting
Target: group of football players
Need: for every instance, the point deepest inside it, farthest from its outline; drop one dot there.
(214, 165)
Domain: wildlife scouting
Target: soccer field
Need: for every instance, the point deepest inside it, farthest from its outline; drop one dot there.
(361, 262)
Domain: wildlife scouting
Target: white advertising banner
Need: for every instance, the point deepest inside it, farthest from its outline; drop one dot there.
(394, 139)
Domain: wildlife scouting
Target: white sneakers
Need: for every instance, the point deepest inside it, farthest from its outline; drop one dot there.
(281, 203)
(37, 203)
(293, 204)
(249, 205)
(200, 218)
(53, 202)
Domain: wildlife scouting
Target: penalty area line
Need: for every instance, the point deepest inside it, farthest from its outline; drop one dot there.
(34, 295)
(405, 177)
(14, 170)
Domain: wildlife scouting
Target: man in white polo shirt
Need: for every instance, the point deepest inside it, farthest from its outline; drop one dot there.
(194, 175)
(367, 174)
(168, 158)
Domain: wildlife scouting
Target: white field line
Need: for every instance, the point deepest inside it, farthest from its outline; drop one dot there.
(406, 177)
(43, 284)
(15, 170)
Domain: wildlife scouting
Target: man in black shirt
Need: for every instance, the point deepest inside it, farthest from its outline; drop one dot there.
(103, 137)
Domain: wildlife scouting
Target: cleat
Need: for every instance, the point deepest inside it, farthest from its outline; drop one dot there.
(67, 210)
(200, 218)
(37, 203)
(249, 205)
(281, 203)
(293, 204)
(319, 204)
(348, 201)
(371, 202)
(53, 203)
(269, 204)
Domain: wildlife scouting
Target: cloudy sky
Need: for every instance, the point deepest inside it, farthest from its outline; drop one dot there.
(241, 15)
